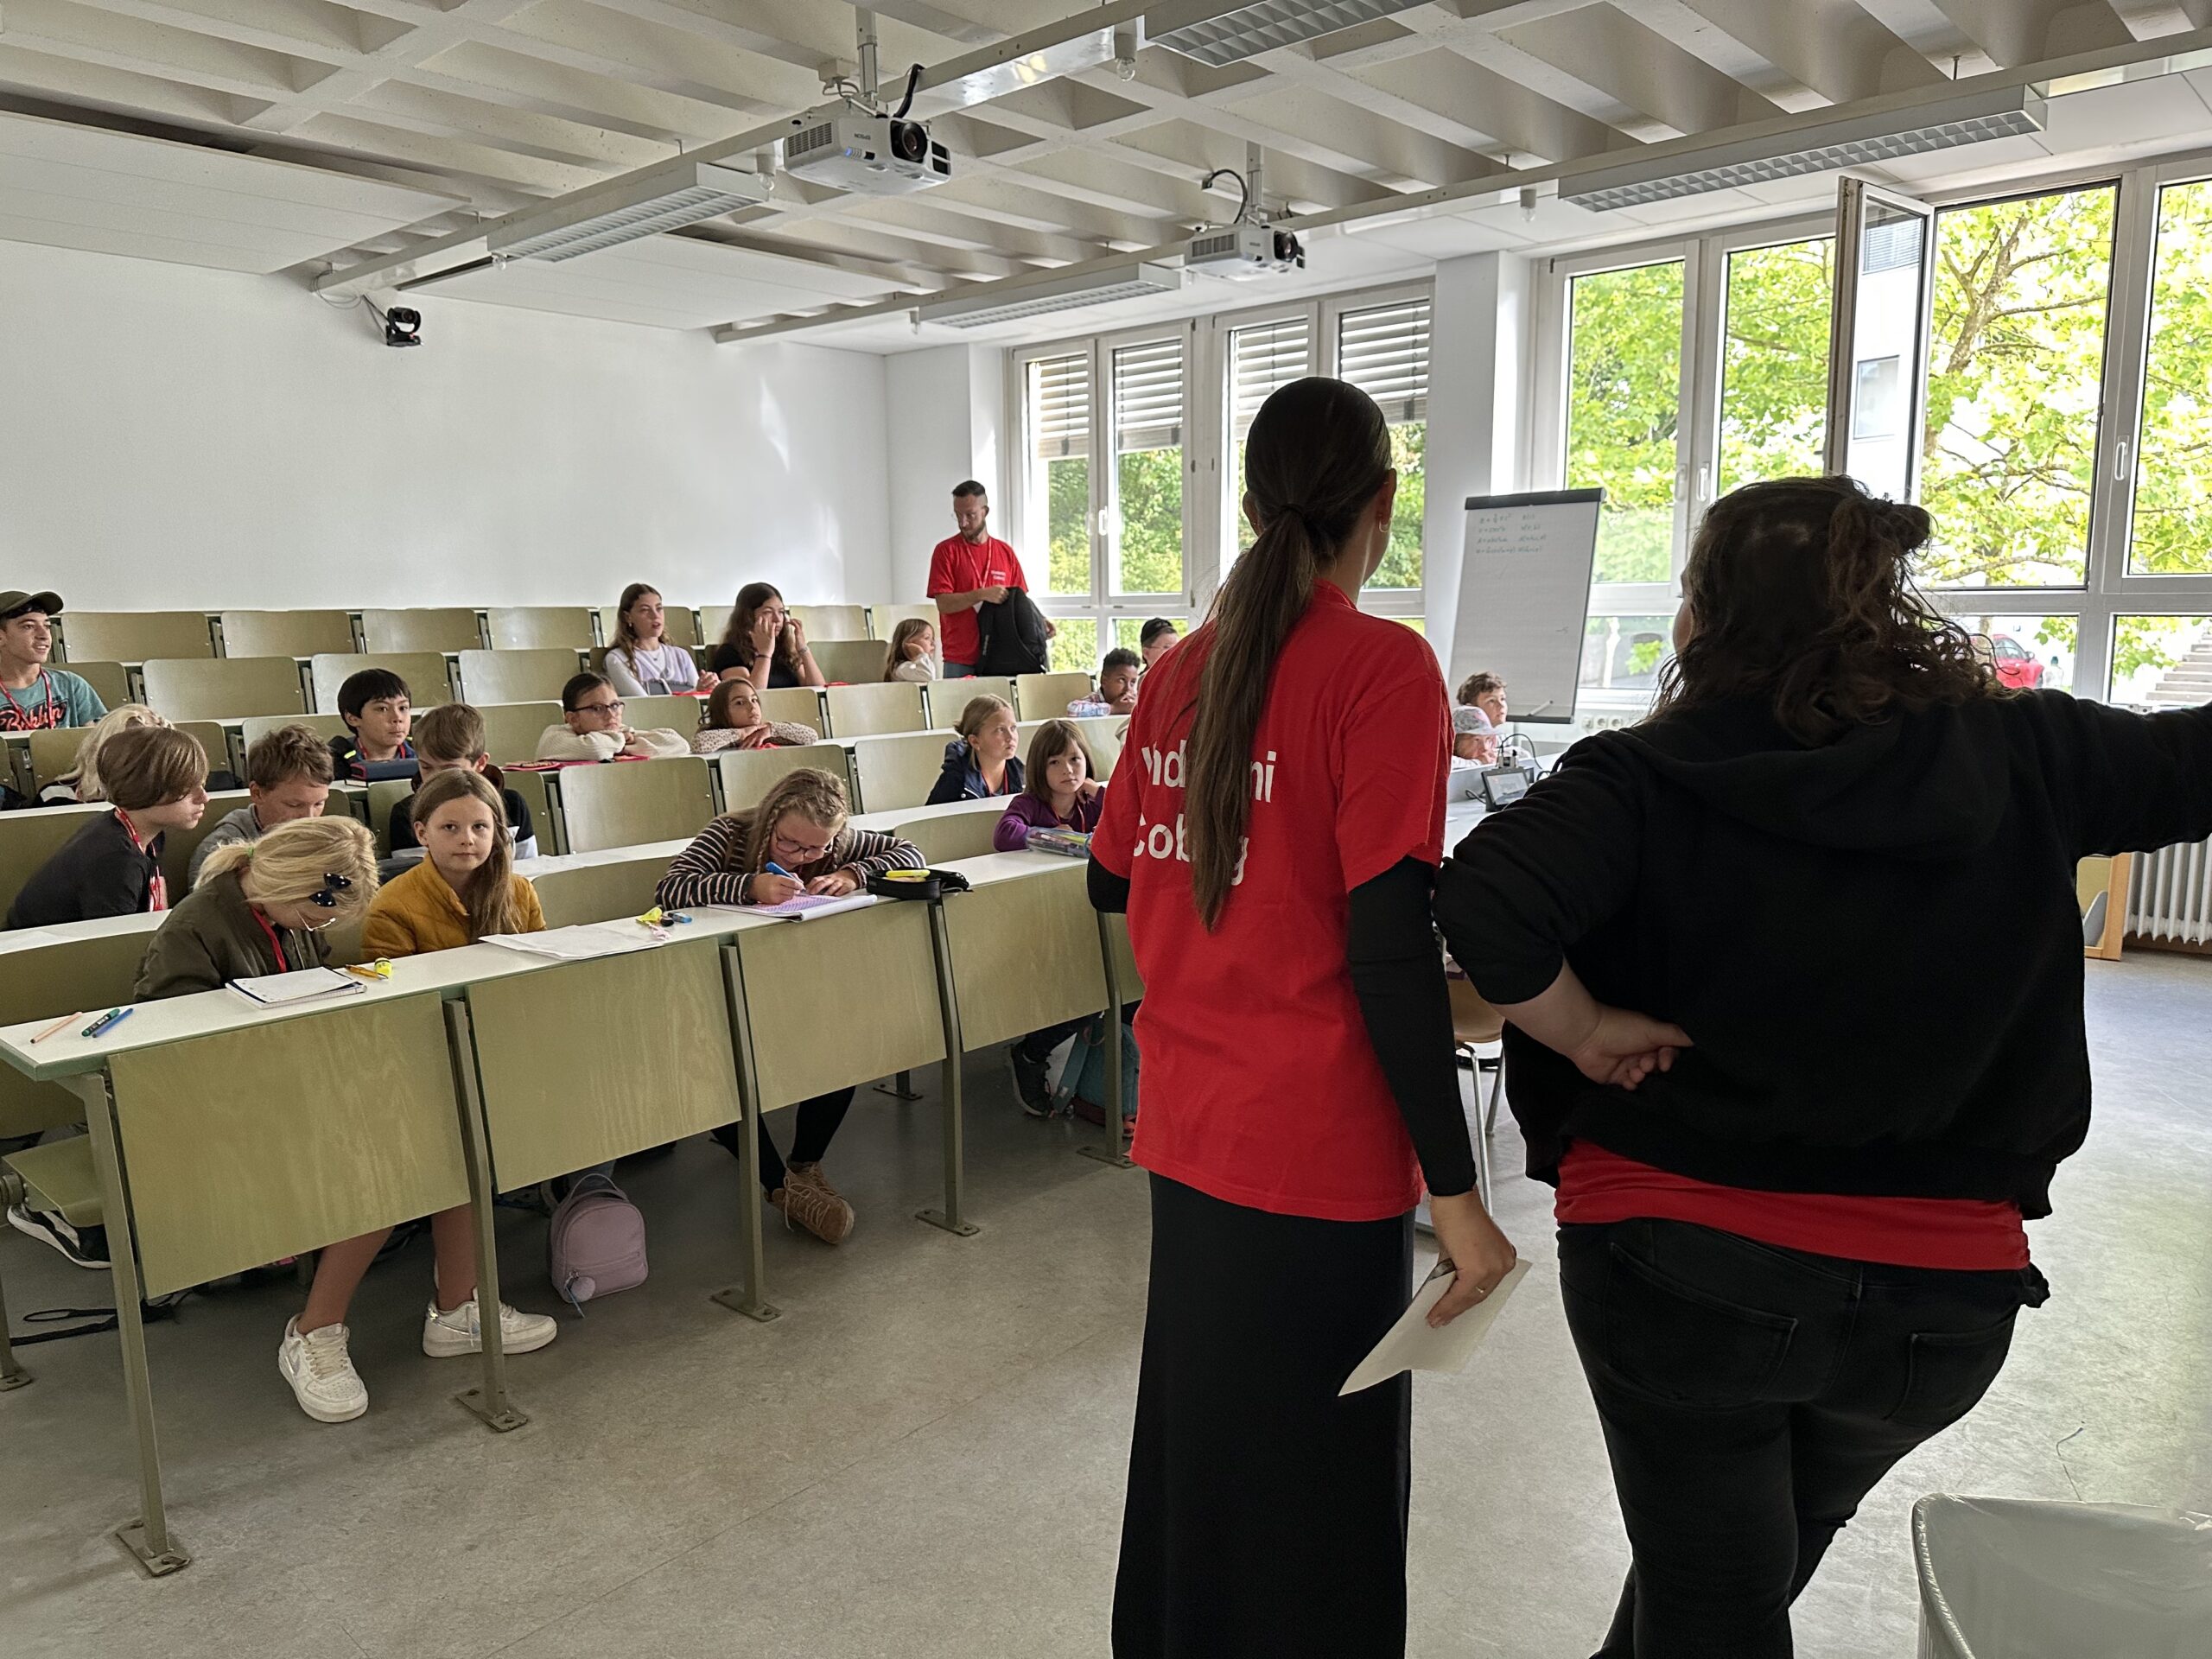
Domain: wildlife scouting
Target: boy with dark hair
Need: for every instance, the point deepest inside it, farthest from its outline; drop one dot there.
(1158, 638)
(1118, 674)
(379, 713)
(33, 696)
(288, 774)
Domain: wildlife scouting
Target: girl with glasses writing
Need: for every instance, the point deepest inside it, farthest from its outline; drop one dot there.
(795, 842)
(591, 728)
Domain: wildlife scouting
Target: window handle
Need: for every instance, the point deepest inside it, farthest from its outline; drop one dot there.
(2119, 462)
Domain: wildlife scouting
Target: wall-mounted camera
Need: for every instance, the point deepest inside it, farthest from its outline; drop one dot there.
(402, 326)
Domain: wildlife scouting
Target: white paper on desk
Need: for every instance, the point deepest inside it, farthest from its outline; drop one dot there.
(581, 943)
(1412, 1345)
(808, 906)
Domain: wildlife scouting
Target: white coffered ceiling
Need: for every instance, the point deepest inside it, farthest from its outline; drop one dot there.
(377, 127)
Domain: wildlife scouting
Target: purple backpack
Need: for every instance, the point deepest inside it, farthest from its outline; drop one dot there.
(597, 1241)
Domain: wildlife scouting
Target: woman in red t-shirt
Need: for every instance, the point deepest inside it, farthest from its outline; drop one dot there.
(1273, 831)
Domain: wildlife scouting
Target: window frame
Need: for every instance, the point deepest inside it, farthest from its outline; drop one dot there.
(2108, 591)
(1209, 496)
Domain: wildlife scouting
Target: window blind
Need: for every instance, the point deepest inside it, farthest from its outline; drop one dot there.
(1148, 396)
(1059, 406)
(1263, 360)
(1384, 352)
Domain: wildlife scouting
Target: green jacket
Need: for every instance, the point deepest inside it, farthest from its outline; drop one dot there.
(213, 937)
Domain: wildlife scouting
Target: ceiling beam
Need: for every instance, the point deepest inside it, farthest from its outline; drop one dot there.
(2020, 31)
(1834, 48)
(1610, 50)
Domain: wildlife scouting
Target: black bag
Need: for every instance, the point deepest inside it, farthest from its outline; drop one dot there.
(1014, 638)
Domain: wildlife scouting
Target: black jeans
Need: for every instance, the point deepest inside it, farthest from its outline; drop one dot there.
(1751, 1397)
(817, 1122)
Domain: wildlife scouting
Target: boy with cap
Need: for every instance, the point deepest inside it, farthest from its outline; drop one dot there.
(34, 697)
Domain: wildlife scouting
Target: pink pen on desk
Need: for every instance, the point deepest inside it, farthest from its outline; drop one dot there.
(65, 1020)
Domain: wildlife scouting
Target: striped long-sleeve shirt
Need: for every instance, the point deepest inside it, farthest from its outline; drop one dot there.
(712, 870)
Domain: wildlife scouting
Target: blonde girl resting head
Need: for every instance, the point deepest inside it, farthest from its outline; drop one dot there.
(81, 783)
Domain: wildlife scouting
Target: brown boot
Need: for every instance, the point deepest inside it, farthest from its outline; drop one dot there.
(809, 1201)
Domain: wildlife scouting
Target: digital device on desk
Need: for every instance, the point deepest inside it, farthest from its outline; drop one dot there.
(1502, 786)
(1524, 596)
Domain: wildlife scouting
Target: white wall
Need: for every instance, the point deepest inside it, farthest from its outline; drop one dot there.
(947, 415)
(178, 438)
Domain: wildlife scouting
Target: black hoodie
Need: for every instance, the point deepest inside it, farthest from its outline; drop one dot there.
(1875, 945)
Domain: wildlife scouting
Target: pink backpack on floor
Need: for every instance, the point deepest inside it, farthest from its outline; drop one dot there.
(596, 1244)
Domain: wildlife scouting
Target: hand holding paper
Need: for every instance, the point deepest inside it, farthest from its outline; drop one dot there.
(1414, 1344)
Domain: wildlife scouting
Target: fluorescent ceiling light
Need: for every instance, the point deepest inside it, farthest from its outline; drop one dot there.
(663, 199)
(1221, 34)
(1820, 147)
(1006, 302)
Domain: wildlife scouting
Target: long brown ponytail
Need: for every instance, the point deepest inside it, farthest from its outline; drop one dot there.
(1317, 453)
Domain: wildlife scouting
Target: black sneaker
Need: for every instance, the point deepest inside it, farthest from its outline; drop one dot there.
(1029, 1083)
(87, 1248)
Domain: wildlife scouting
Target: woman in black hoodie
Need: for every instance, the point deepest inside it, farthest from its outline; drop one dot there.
(1834, 870)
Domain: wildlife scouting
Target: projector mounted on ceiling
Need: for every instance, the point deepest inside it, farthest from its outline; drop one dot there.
(870, 155)
(1248, 246)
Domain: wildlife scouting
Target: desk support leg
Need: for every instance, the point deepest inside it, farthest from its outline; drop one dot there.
(900, 1087)
(12, 1374)
(488, 1401)
(1115, 1150)
(949, 1218)
(751, 1297)
(146, 1539)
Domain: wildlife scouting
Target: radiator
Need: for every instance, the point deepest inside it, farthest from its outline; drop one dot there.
(2170, 895)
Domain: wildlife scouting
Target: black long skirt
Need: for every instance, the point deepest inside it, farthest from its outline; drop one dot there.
(1266, 1516)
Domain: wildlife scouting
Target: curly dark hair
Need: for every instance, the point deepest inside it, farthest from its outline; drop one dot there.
(1800, 595)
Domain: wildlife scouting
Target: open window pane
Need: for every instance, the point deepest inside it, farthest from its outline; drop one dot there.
(2015, 377)
(1146, 546)
(2173, 472)
(1623, 403)
(2030, 653)
(2163, 661)
(1057, 391)
(1774, 361)
(1384, 350)
(1262, 360)
(1623, 655)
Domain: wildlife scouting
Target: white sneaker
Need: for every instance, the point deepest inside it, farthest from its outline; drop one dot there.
(322, 1373)
(445, 1335)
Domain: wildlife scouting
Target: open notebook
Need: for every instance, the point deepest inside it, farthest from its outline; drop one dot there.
(307, 985)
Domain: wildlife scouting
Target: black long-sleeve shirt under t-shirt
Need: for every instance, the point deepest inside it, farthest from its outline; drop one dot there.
(1875, 945)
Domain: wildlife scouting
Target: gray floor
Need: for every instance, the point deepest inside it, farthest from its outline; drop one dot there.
(924, 1456)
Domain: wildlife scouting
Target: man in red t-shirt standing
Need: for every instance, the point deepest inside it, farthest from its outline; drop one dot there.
(973, 568)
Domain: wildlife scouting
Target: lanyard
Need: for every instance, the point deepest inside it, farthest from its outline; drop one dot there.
(158, 886)
(275, 944)
(47, 716)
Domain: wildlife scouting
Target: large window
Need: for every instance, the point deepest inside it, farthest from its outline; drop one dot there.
(1151, 528)
(1057, 391)
(1263, 358)
(2172, 530)
(2065, 453)
(1384, 352)
(2015, 371)
(1774, 360)
(1145, 534)
(1623, 412)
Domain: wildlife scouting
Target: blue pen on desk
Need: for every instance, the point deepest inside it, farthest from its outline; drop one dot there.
(106, 1022)
(773, 869)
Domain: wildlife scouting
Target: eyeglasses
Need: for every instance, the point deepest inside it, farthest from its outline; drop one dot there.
(798, 852)
(332, 884)
(614, 707)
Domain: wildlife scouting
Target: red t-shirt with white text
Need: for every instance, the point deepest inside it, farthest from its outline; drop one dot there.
(1260, 1085)
(960, 566)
